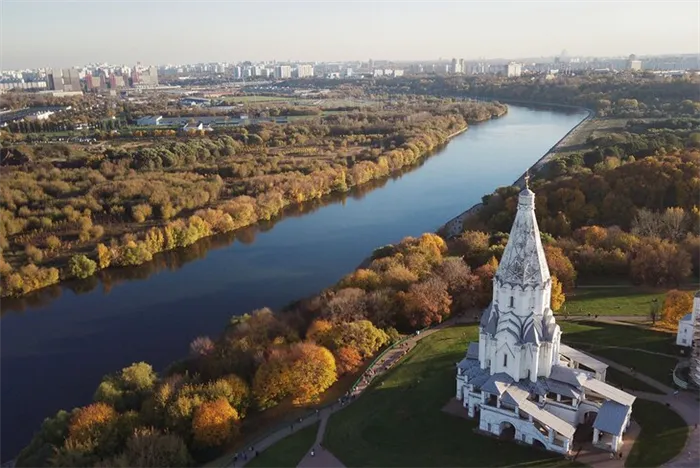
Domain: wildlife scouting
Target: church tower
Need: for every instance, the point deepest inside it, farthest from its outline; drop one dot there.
(518, 333)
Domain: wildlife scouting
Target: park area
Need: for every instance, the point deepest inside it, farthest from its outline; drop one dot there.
(399, 420)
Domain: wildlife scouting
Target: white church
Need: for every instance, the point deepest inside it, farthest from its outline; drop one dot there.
(519, 380)
(686, 325)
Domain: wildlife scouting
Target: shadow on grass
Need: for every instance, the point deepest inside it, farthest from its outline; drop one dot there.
(399, 421)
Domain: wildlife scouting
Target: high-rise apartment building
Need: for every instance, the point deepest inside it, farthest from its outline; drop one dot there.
(304, 71)
(283, 71)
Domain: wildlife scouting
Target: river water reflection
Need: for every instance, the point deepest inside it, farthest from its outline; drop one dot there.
(58, 343)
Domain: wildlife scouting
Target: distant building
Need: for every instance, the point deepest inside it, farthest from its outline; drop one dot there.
(514, 69)
(695, 354)
(238, 73)
(67, 80)
(196, 127)
(149, 120)
(283, 71)
(457, 66)
(304, 71)
(634, 65)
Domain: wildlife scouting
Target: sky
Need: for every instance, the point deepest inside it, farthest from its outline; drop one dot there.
(61, 33)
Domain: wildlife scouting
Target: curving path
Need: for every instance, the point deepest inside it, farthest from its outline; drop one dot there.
(323, 458)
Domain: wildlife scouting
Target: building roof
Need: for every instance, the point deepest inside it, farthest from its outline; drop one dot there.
(548, 419)
(609, 392)
(611, 418)
(497, 384)
(574, 377)
(523, 262)
(473, 350)
(582, 358)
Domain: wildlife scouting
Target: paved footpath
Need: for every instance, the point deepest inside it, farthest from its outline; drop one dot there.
(322, 457)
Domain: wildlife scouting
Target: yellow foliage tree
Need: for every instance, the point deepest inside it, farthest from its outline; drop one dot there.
(214, 423)
(558, 296)
(676, 305)
(311, 373)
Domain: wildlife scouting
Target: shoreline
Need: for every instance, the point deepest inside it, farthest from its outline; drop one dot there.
(454, 226)
(420, 159)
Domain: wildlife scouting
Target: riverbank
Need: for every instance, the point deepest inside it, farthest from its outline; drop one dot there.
(226, 215)
(455, 226)
(83, 330)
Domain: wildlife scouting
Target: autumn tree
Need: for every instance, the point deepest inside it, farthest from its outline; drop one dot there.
(484, 292)
(676, 305)
(560, 266)
(347, 359)
(90, 422)
(367, 280)
(150, 448)
(361, 336)
(558, 298)
(426, 303)
(473, 246)
(214, 423)
(658, 262)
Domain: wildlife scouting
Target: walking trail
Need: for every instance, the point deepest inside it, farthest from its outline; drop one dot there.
(684, 403)
(322, 457)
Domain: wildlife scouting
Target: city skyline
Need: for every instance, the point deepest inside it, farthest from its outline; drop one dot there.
(159, 32)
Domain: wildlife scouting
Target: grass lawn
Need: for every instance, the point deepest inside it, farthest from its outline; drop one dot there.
(289, 451)
(662, 437)
(401, 422)
(625, 300)
(597, 337)
(627, 382)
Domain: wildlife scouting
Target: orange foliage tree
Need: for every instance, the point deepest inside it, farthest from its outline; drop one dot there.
(426, 303)
(558, 297)
(347, 359)
(89, 421)
(560, 266)
(676, 305)
(214, 423)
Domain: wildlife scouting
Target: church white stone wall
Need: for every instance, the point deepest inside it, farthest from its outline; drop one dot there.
(518, 380)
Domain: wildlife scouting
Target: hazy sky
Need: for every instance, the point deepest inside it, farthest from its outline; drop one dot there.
(64, 33)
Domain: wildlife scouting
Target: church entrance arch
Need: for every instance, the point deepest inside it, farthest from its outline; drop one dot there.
(507, 431)
(589, 417)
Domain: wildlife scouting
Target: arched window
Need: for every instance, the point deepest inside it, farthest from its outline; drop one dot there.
(512, 301)
(505, 360)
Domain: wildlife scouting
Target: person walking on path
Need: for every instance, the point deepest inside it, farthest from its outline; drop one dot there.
(313, 452)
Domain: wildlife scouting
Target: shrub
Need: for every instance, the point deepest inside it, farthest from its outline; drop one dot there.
(81, 267)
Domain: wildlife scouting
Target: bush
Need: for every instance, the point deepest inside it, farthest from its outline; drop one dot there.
(34, 254)
(81, 267)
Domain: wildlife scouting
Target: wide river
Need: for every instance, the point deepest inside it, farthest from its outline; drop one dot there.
(57, 344)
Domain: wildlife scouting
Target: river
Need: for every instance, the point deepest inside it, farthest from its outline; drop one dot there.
(58, 343)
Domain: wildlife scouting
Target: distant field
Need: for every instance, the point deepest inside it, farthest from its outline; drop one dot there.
(622, 300)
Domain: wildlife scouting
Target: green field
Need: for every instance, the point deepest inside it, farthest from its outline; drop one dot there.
(623, 300)
(627, 382)
(662, 437)
(289, 451)
(597, 338)
(400, 422)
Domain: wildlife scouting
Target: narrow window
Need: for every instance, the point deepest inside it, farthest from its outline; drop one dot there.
(505, 360)
(512, 301)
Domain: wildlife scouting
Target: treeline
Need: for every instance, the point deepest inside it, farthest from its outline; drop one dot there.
(611, 95)
(59, 204)
(198, 406)
(638, 220)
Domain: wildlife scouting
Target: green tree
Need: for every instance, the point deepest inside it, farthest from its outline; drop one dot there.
(81, 267)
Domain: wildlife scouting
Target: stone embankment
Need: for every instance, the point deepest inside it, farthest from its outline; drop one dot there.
(455, 226)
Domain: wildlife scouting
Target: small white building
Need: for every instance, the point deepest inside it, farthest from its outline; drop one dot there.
(519, 380)
(149, 120)
(686, 325)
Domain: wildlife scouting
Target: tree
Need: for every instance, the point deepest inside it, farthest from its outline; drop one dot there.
(202, 346)
(53, 243)
(312, 372)
(150, 448)
(367, 280)
(560, 266)
(318, 329)
(676, 305)
(347, 359)
(346, 305)
(558, 297)
(658, 262)
(104, 256)
(485, 273)
(473, 246)
(88, 423)
(426, 303)
(81, 267)
(214, 423)
(361, 336)
(239, 397)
